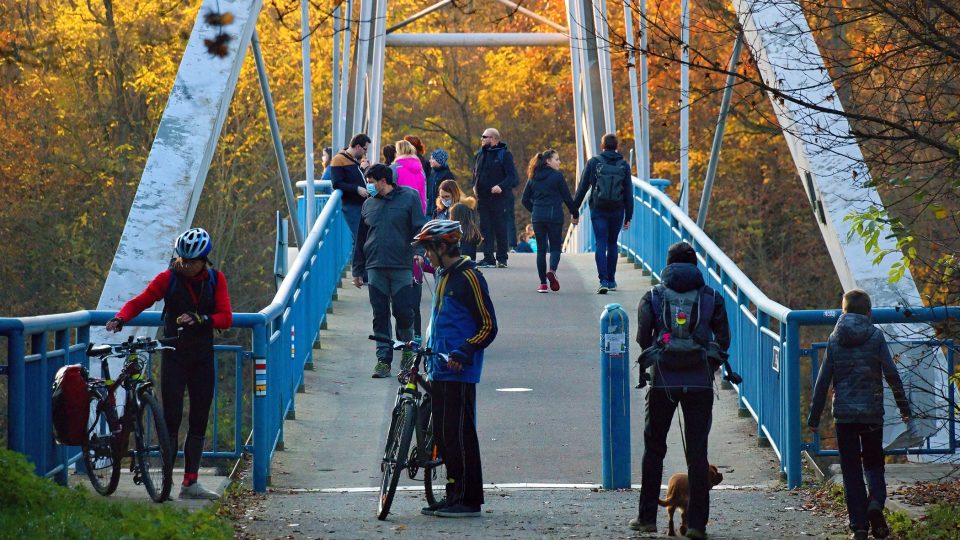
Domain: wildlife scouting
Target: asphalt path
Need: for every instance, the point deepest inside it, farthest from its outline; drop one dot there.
(546, 436)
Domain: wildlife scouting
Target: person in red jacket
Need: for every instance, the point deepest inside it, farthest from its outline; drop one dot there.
(195, 300)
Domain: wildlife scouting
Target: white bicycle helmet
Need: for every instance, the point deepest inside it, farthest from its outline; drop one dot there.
(194, 244)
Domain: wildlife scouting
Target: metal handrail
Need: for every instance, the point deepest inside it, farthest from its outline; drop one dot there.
(283, 334)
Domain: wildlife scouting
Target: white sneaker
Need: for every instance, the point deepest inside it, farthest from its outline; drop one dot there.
(197, 491)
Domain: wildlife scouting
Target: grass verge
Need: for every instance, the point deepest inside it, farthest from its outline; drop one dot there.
(33, 507)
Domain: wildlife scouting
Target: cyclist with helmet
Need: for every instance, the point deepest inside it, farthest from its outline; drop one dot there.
(196, 300)
(463, 324)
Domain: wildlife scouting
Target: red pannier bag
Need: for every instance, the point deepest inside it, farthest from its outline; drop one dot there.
(71, 405)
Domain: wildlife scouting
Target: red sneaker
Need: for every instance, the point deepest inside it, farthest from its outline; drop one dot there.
(542, 288)
(552, 278)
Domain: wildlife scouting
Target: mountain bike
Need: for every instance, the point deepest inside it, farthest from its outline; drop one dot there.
(108, 434)
(411, 416)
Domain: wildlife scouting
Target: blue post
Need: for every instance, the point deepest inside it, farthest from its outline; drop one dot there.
(262, 438)
(615, 397)
(17, 388)
(790, 371)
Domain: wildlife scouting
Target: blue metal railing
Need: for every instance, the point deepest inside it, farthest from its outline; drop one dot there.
(765, 335)
(282, 338)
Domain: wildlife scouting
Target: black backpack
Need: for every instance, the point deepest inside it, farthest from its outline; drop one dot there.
(608, 187)
(681, 315)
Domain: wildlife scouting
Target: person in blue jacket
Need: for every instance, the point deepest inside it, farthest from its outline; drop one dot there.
(462, 325)
(544, 196)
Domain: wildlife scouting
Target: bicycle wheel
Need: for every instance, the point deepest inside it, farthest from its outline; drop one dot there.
(434, 471)
(101, 453)
(154, 456)
(397, 449)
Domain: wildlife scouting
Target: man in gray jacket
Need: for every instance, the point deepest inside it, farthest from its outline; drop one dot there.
(388, 221)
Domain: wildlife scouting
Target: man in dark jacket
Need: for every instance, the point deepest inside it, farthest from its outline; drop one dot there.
(611, 206)
(674, 382)
(347, 176)
(857, 362)
(382, 250)
(494, 177)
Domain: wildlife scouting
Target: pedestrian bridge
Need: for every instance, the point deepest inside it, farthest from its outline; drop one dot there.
(307, 346)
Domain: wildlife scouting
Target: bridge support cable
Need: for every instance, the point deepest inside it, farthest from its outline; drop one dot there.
(837, 182)
(534, 16)
(308, 153)
(685, 106)
(419, 15)
(644, 96)
(375, 116)
(718, 134)
(179, 159)
(364, 61)
(575, 44)
(277, 144)
(335, 109)
(604, 68)
(632, 74)
(478, 39)
(586, 32)
(341, 75)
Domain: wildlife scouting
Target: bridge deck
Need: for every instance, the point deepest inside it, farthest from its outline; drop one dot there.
(325, 479)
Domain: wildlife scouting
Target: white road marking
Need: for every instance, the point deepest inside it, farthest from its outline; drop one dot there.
(525, 486)
(514, 389)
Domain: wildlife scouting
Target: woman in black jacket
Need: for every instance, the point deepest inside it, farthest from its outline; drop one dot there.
(544, 196)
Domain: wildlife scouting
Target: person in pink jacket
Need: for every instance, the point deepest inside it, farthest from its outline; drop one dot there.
(409, 171)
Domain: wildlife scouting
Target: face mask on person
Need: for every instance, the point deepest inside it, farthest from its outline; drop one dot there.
(372, 189)
(447, 203)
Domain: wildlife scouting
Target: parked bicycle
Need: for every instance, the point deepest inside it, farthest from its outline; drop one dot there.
(108, 434)
(411, 416)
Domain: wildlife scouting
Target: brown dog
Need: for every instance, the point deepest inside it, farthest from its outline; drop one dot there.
(678, 496)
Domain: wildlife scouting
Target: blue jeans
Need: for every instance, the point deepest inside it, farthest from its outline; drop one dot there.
(606, 229)
(391, 288)
(861, 455)
(351, 213)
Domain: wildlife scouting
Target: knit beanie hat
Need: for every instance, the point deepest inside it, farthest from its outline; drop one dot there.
(440, 156)
(681, 252)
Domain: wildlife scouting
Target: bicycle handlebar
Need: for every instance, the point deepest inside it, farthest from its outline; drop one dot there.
(132, 345)
(406, 346)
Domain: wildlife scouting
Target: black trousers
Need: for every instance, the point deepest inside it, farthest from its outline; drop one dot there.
(493, 225)
(697, 407)
(455, 430)
(549, 240)
(196, 376)
(861, 455)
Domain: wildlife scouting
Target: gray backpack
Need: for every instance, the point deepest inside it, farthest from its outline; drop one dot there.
(681, 314)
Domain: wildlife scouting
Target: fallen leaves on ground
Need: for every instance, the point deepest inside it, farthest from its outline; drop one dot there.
(926, 493)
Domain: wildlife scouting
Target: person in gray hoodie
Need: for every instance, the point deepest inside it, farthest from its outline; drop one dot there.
(857, 362)
(388, 220)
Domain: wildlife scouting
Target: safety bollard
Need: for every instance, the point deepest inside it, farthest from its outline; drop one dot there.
(615, 397)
